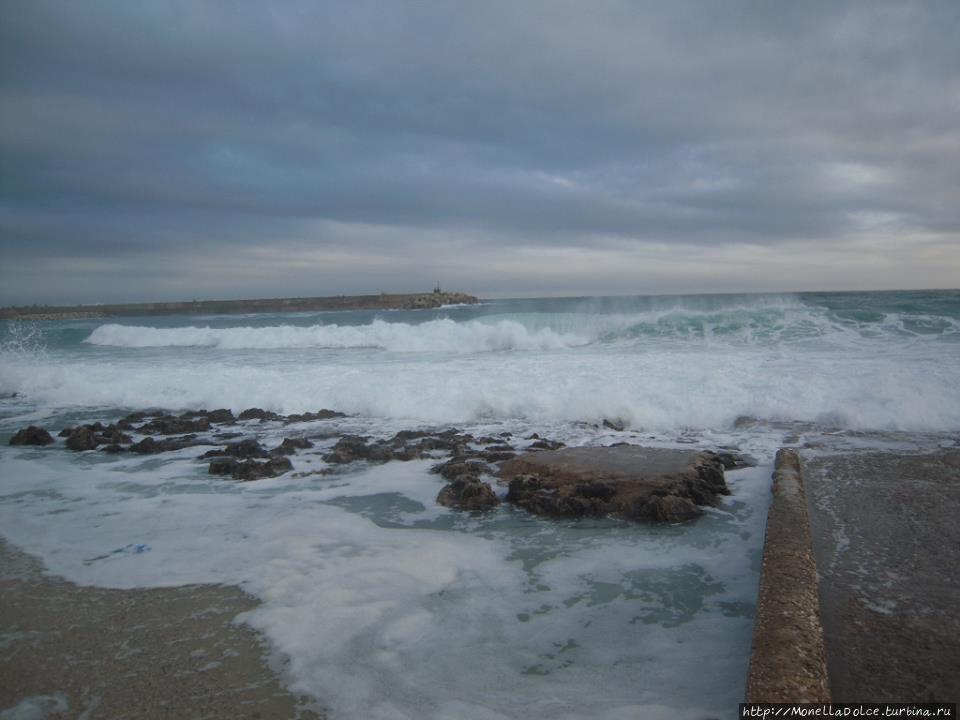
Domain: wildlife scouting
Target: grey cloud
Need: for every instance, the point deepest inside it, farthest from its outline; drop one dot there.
(129, 127)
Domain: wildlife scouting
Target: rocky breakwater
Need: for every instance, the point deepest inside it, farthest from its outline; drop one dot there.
(628, 481)
(438, 299)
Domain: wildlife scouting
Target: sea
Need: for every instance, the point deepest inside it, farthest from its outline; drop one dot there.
(383, 604)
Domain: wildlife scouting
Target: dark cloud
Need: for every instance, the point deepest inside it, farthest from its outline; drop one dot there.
(439, 136)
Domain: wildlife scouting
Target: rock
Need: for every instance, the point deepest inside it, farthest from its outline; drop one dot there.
(248, 448)
(311, 417)
(495, 456)
(258, 414)
(627, 481)
(618, 425)
(460, 466)
(407, 453)
(31, 435)
(543, 444)
(468, 493)
(222, 466)
(351, 448)
(732, 460)
(151, 446)
(82, 438)
(221, 416)
(289, 446)
(254, 470)
(113, 436)
(170, 425)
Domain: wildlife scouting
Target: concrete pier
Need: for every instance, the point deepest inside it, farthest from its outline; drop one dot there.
(788, 660)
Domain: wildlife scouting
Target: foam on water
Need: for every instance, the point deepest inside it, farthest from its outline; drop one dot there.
(649, 385)
(391, 607)
(420, 613)
(435, 336)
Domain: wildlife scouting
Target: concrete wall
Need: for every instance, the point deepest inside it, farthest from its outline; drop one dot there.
(788, 658)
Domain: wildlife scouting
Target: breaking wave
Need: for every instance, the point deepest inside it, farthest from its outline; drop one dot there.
(434, 336)
(763, 326)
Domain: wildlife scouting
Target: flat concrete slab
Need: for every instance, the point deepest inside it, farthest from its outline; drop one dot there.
(886, 536)
(72, 651)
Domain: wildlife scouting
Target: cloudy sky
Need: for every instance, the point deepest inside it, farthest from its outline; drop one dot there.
(178, 150)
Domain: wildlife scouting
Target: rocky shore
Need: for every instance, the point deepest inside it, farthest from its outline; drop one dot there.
(533, 473)
(381, 301)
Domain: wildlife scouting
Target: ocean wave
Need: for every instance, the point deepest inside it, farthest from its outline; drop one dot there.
(764, 326)
(434, 336)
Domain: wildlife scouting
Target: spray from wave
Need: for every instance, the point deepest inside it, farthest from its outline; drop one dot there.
(733, 325)
(433, 336)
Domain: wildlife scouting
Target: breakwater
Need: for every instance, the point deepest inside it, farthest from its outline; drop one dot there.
(381, 301)
(788, 660)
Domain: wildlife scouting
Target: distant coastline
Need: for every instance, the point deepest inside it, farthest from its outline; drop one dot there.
(381, 301)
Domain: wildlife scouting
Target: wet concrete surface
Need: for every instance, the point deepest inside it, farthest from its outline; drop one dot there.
(886, 536)
(83, 652)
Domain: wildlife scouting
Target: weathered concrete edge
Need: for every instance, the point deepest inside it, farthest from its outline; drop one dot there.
(788, 656)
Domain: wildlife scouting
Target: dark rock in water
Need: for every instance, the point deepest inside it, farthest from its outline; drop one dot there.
(289, 446)
(405, 436)
(258, 414)
(311, 417)
(407, 453)
(137, 417)
(617, 425)
(459, 466)
(170, 425)
(254, 470)
(244, 449)
(82, 438)
(495, 456)
(543, 444)
(221, 416)
(247, 470)
(222, 466)
(628, 481)
(112, 435)
(65, 432)
(113, 449)
(351, 448)
(31, 435)
(468, 493)
(151, 446)
(732, 460)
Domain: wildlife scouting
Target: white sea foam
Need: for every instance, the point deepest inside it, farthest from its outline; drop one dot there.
(649, 387)
(433, 336)
(390, 607)
(520, 618)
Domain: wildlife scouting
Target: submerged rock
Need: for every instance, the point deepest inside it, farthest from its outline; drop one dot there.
(151, 446)
(468, 493)
(247, 470)
(171, 425)
(350, 448)
(627, 481)
(82, 438)
(258, 414)
(221, 416)
(31, 435)
(248, 448)
(313, 416)
(289, 446)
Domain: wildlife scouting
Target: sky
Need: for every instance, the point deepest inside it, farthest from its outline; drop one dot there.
(213, 150)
